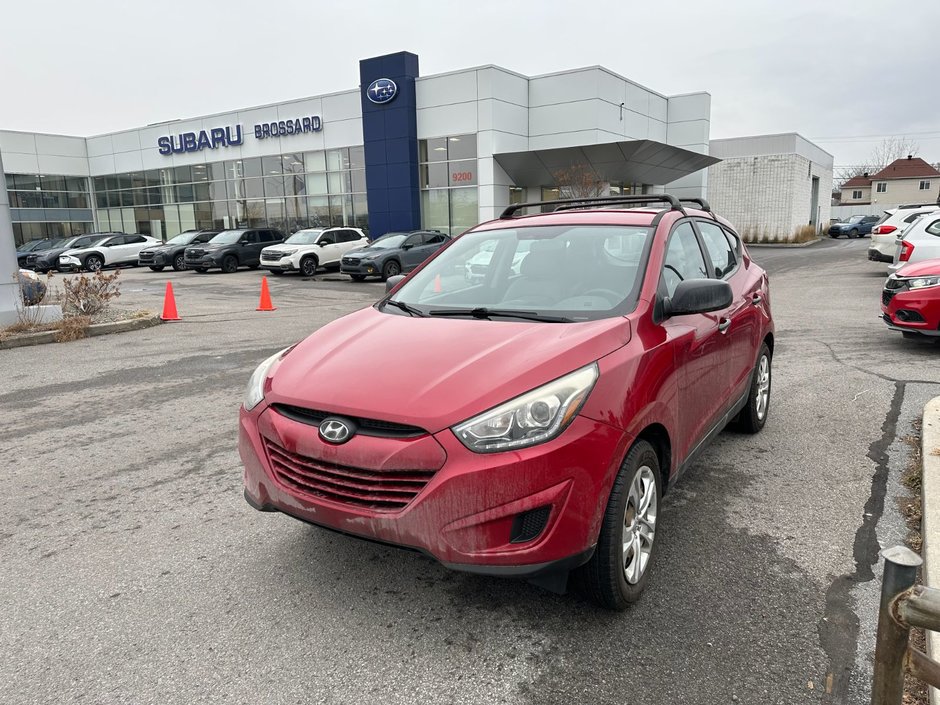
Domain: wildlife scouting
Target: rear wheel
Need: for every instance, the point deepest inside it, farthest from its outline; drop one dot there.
(157, 269)
(618, 571)
(308, 266)
(179, 263)
(229, 264)
(854, 232)
(754, 414)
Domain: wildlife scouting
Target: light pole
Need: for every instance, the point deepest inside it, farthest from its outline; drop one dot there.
(9, 284)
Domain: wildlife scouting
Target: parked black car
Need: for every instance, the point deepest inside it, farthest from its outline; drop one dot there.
(32, 246)
(45, 260)
(231, 249)
(170, 253)
(392, 254)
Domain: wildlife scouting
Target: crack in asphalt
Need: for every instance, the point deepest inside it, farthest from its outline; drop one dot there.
(838, 629)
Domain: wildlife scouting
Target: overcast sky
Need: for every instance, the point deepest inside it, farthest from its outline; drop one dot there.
(856, 70)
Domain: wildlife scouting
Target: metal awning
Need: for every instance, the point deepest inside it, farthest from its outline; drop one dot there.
(638, 161)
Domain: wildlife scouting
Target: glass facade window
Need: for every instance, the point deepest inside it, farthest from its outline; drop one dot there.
(49, 205)
(286, 191)
(447, 171)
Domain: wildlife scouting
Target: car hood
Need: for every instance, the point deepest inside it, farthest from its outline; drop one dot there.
(433, 372)
(207, 246)
(926, 268)
(369, 252)
(49, 253)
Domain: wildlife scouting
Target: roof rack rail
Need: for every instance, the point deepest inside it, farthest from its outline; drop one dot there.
(918, 205)
(572, 203)
(702, 203)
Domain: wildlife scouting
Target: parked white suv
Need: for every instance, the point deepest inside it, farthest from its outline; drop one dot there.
(108, 251)
(920, 241)
(307, 250)
(885, 233)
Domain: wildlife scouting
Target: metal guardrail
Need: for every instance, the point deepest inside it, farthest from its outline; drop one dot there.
(903, 606)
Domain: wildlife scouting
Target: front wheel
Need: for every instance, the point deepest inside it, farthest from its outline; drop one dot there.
(308, 266)
(854, 233)
(391, 269)
(229, 264)
(179, 263)
(618, 571)
(93, 263)
(156, 269)
(754, 414)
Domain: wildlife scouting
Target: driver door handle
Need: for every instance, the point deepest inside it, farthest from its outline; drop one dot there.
(723, 325)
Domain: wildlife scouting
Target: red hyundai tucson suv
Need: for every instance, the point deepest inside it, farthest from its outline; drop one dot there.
(526, 423)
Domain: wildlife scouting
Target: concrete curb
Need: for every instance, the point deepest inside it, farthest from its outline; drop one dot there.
(930, 508)
(94, 329)
(783, 244)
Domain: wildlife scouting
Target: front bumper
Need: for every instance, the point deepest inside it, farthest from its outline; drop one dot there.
(365, 269)
(464, 515)
(68, 264)
(206, 261)
(157, 259)
(912, 311)
(284, 264)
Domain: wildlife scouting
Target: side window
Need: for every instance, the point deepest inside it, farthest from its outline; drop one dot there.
(435, 238)
(684, 258)
(328, 238)
(912, 218)
(204, 237)
(133, 239)
(413, 240)
(719, 250)
(934, 228)
(250, 237)
(114, 241)
(735, 242)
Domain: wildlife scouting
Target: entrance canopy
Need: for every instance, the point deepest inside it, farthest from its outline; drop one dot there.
(639, 161)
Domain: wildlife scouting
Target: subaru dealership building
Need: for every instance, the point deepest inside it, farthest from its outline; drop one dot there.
(399, 152)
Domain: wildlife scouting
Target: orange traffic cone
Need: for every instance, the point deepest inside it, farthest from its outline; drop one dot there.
(169, 305)
(265, 303)
(437, 284)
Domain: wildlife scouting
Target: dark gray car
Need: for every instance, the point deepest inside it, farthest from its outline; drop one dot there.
(231, 249)
(392, 254)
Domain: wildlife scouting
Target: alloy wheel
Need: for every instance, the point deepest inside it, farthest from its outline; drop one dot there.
(639, 525)
(763, 387)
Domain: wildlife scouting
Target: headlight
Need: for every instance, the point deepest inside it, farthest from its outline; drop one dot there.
(254, 394)
(533, 418)
(288, 253)
(923, 282)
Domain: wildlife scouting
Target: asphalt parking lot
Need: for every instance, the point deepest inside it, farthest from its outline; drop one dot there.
(134, 572)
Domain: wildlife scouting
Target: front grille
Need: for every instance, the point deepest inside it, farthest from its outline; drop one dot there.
(271, 256)
(367, 427)
(380, 490)
(145, 256)
(31, 259)
(194, 254)
(350, 260)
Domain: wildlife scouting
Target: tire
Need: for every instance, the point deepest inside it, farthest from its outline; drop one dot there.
(179, 263)
(157, 269)
(276, 272)
(834, 236)
(358, 277)
(229, 264)
(93, 263)
(201, 270)
(853, 233)
(254, 266)
(754, 414)
(308, 266)
(615, 578)
(391, 269)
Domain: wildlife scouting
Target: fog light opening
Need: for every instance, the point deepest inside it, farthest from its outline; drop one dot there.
(528, 525)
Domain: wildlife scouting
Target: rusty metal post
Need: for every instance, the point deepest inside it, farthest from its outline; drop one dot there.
(901, 565)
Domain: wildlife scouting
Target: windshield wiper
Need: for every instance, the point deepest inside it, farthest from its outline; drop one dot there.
(411, 310)
(487, 313)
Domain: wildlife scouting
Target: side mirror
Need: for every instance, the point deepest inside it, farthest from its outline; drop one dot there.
(322, 244)
(698, 296)
(392, 282)
(406, 247)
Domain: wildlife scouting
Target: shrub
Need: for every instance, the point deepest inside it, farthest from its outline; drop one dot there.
(72, 328)
(88, 295)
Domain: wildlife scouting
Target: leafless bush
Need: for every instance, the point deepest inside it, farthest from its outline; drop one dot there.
(72, 328)
(89, 295)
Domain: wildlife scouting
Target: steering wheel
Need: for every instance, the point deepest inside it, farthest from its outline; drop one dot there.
(614, 296)
(669, 266)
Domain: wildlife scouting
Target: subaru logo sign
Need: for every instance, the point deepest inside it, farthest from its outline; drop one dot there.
(381, 90)
(336, 431)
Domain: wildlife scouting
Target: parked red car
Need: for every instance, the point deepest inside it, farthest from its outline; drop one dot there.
(523, 424)
(910, 300)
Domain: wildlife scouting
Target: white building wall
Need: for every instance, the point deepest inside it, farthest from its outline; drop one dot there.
(37, 153)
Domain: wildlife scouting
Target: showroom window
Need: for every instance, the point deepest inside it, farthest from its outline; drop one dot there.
(447, 171)
(48, 205)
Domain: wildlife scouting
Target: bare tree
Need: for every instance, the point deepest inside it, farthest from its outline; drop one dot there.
(890, 149)
(578, 181)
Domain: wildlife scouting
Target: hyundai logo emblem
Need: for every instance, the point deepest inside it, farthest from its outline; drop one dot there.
(334, 430)
(381, 90)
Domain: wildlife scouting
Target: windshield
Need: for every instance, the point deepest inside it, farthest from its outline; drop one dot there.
(228, 237)
(182, 239)
(304, 237)
(855, 219)
(389, 242)
(576, 272)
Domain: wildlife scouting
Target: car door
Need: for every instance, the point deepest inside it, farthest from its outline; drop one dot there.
(251, 249)
(744, 314)
(113, 249)
(328, 251)
(132, 246)
(412, 251)
(700, 348)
